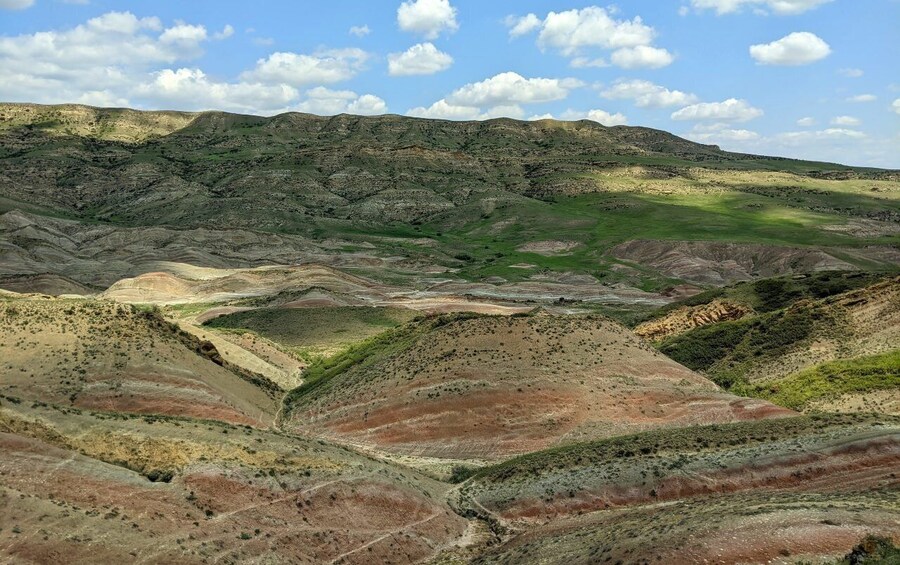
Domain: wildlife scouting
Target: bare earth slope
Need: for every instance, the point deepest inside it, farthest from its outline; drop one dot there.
(768, 491)
(89, 488)
(491, 387)
(106, 356)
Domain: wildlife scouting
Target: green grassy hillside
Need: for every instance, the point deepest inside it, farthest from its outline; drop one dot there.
(315, 332)
(466, 195)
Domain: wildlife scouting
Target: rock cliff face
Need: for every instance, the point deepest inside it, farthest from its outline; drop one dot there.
(690, 317)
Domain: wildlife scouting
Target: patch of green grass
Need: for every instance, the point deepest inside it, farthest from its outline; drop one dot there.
(365, 353)
(830, 380)
(313, 332)
(671, 441)
(725, 351)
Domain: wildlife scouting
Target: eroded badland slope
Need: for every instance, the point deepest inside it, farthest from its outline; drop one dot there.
(491, 387)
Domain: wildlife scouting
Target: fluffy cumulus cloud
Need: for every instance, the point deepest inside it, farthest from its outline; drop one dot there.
(781, 7)
(119, 59)
(798, 48)
(522, 25)
(845, 121)
(512, 88)
(324, 67)
(806, 122)
(642, 56)
(501, 95)
(427, 17)
(324, 101)
(731, 110)
(895, 106)
(719, 133)
(444, 110)
(15, 4)
(102, 55)
(192, 89)
(600, 116)
(862, 98)
(420, 59)
(647, 94)
(574, 33)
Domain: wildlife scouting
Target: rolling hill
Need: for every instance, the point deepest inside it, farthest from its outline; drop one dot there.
(229, 338)
(501, 198)
(485, 388)
(106, 356)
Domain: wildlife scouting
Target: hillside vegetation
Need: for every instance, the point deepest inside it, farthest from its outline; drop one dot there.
(484, 387)
(107, 356)
(780, 340)
(315, 332)
(481, 197)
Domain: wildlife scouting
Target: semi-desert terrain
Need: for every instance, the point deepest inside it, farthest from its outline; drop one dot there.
(300, 339)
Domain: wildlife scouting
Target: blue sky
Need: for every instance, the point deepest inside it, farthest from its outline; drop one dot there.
(815, 79)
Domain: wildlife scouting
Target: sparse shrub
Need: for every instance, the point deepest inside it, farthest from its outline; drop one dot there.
(459, 473)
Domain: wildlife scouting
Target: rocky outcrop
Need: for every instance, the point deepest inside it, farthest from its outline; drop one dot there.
(690, 317)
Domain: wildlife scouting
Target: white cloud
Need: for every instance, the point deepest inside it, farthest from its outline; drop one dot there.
(573, 30)
(500, 95)
(895, 106)
(226, 32)
(511, 88)
(444, 110)
(646, 94)
(731, 110)
(323, 67)
(845, 121)
(507, 111)
(327, 102)
(111, 52)
(360, 31)
(806, 122)
(642, 56)
(367, 105)
(798, 48)
(184, 34)
(427, 17)
(600, 116)
(15, 4)
(720, 134)
(522, 25)
(851, 73)
(586, 63)
(192, 89)
(420, 59)
(781, 7)
(862, 98)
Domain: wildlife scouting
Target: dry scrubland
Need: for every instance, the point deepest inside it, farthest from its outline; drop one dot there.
(490, 387)
(384, 339)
